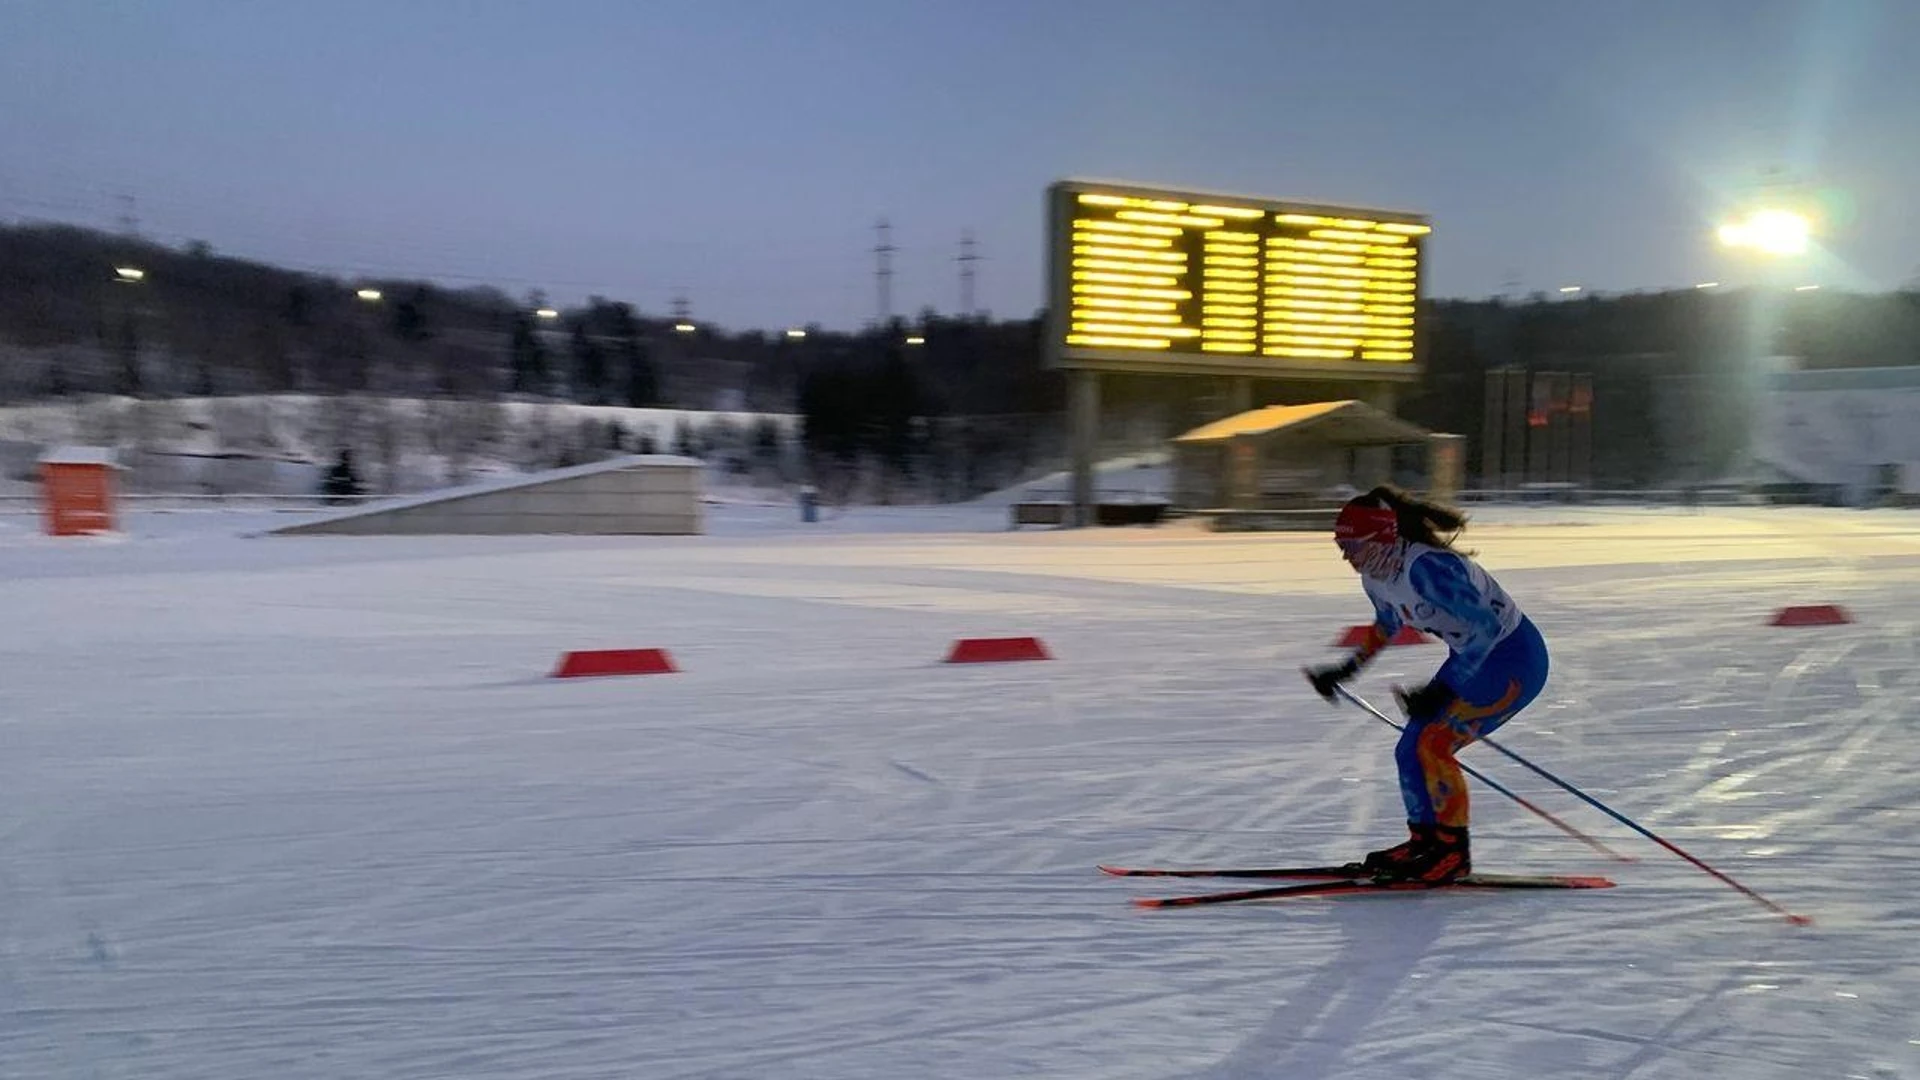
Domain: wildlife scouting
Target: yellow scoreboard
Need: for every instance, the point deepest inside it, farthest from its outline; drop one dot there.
(1142, 279)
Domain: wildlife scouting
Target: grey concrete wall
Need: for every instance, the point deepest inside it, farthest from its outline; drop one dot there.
(642, 497)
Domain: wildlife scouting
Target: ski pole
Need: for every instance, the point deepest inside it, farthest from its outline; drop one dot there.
(1496, 785)
(1797, 920)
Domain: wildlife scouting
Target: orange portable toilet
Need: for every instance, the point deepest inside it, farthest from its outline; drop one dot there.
(76, 490)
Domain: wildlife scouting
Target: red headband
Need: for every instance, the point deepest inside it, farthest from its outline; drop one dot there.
(1367, 524)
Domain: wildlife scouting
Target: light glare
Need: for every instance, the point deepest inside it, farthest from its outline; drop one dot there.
(1769, 232)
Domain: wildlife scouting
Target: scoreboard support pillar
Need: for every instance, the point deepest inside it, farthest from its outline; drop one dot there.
(1374, 465)
(1083, 408)
(1239, 395)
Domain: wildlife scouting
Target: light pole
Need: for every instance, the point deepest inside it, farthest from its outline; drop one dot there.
(1775, 238)
(130, 379)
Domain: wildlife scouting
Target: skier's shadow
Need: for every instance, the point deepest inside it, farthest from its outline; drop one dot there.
(1310, 1034)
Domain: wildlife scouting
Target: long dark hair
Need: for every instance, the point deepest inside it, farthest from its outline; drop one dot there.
(1420, 521)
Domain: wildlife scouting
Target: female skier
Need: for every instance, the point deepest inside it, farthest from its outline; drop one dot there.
(1497, 663)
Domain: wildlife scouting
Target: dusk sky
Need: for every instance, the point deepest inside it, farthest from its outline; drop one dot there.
(742, 151)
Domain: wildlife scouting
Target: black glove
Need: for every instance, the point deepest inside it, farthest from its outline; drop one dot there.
(1324, 679)
(1426, 702)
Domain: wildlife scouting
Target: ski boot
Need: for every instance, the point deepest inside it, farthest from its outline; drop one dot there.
(1388, 862)
(1445, 858)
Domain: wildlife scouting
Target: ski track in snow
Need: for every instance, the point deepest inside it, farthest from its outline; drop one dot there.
(308, 808)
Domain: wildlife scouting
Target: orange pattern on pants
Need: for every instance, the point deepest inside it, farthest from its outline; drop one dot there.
(1433, 744)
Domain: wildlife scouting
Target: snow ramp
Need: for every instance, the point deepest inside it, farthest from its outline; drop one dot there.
(642, 494)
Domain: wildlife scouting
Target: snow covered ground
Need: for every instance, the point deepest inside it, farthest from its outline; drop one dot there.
(308, 808)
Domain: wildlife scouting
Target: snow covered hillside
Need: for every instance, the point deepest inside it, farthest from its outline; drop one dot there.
(309, 807)
(281, 444)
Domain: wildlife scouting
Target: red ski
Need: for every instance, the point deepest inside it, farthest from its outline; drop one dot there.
(1351, 886)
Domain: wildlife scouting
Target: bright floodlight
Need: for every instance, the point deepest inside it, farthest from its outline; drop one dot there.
(369, 295)
(1569, 290)
(129, 273)
(547, 313)
(1770, 232)
(684, 328)
(916, 340)
(796, 334)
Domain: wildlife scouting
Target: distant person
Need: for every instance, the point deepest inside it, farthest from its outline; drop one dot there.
(1496, 664)
(342, 482)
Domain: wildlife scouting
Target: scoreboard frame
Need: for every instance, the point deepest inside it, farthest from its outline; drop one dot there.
(1259, 345)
